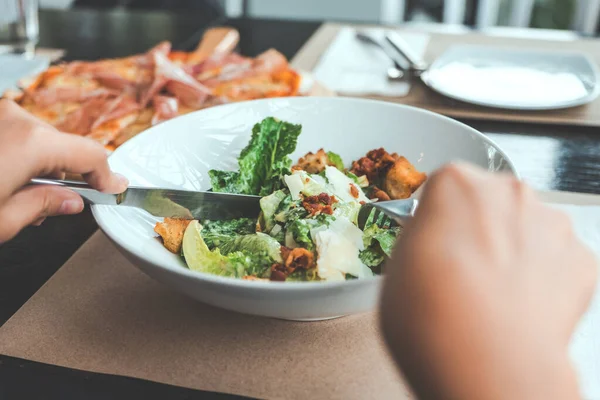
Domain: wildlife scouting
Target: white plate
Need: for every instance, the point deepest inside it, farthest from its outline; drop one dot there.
(178, 153)
(518, 79)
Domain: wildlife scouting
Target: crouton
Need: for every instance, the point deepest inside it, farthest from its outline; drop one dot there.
(171, 231)
(402, 180)
(313, 163)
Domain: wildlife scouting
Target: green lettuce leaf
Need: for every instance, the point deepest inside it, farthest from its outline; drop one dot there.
(382, 238)
(263, 162)
(348, 210)
(224, 181)
(269, 206)
(290, 210)
(336, 160)
(361, 181)
(258, 243)
(371, 257)
(238, 257)
(300, 229)
(251, 264)
(215, 233)
(379, 243)
(199, 257)
(278, 233)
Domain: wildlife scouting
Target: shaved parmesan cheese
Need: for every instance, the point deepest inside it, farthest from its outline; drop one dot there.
(295, 184)
(302, 183)
(341, 186)
(338, 246)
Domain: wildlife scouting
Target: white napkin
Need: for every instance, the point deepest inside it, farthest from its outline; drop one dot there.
(15, 67)
(355, 68)
(585, 345)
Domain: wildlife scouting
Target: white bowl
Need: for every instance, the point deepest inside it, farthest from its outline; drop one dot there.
(178, 154)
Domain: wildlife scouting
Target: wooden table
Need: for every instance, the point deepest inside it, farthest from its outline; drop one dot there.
(549, 157)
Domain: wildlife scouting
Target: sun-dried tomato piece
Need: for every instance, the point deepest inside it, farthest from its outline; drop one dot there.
(374, 164)
(278, 273)
(285, 252)
(364, 166)
(354, 191)
(320, 204)
(379, 194)
(299, 258)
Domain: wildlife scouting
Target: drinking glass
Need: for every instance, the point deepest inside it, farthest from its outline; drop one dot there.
(19, 26)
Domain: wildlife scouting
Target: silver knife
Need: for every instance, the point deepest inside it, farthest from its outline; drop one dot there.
(168, 202)
(417, 65)
(395, 73)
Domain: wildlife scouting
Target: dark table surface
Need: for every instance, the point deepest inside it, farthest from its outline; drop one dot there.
(548, 157)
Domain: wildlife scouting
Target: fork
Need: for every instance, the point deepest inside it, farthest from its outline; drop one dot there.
(394, 73)
(387, 213)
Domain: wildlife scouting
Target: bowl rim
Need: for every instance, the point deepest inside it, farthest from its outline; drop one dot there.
(269, 285)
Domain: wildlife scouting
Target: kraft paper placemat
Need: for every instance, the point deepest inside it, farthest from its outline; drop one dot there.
(99, 313)
(421, 96)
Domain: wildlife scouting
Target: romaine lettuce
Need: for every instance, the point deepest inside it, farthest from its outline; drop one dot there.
(300, 229)
(251, 264)
(253, 244)
(384, 237)
(269, 206)
(237, 256)
(335, 160)
(263, 163)
(216, 232)
(199, 257)
(371, 257)
(379, 244)
(302, 184)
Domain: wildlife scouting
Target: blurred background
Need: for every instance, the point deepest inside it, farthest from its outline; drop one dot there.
(577, 15)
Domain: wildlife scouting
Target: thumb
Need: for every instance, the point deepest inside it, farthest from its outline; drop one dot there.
(34, 203)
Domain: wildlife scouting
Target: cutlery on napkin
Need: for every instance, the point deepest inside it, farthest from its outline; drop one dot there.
(352, 67)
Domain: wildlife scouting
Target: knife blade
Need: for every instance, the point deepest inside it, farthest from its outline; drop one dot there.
(202, 205)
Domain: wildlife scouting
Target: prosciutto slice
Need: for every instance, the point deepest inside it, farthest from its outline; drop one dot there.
(126, 75)
(114, 109)
(108, 131)
(81, 120)
(95, 112)
(269, 62)
(51, 95)
(218, 61)
(177, 82)
(165, 108)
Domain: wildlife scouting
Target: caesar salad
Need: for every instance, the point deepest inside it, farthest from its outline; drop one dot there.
(307, 229)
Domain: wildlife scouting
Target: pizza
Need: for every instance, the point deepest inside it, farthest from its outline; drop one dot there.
(113, 100)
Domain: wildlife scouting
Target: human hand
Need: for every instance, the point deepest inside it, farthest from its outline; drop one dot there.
(484, 291)
(31, 148)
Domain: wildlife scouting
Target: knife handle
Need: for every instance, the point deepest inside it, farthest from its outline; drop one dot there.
(87, 193)
(400, 45)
